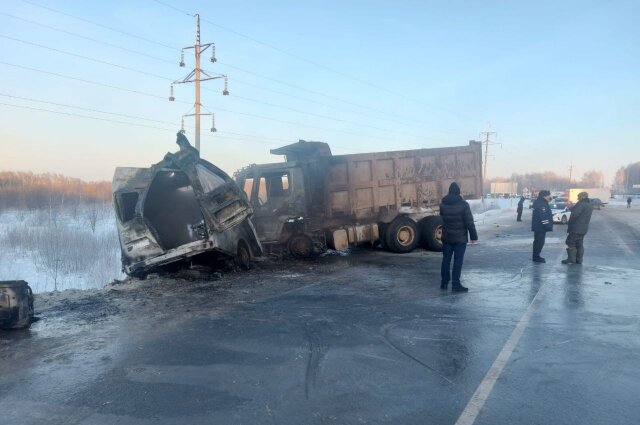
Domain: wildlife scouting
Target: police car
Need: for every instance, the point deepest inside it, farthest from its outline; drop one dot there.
(561, 216)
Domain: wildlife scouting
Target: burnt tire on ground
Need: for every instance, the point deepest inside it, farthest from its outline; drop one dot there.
(300, 246)
(243, 256)
(564, 219)
(402, 235)
(431, 233)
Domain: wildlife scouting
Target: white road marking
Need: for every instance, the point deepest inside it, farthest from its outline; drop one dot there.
(473, 408)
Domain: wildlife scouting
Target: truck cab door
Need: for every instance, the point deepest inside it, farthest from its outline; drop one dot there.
(223, 203)
(275, 196)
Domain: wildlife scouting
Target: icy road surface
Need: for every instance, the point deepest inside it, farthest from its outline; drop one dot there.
(367, 338)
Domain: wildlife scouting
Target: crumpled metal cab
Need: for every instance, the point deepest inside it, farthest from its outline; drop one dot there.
(182, 208)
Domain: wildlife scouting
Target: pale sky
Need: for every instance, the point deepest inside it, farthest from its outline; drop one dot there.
(558, 81)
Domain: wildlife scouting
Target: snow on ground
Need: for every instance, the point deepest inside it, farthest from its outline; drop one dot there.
(59, 250)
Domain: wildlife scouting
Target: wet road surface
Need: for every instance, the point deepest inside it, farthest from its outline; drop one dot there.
(363, 339)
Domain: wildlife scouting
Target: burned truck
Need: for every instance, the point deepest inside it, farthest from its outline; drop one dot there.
(315, 199)
(182, 209)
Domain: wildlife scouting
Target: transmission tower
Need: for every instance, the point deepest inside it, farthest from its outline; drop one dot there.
(196, 76)
(487, 142)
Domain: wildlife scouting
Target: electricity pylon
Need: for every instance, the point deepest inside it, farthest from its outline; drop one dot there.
(195, 76)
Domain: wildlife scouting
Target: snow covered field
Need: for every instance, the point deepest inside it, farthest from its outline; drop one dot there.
(60, 249)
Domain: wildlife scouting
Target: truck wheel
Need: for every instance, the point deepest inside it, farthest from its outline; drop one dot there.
(431, 233)
(243, 257)
(402, 235)
(564, 219)
(300, 246)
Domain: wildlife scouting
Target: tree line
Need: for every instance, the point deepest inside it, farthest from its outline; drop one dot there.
(26, 190)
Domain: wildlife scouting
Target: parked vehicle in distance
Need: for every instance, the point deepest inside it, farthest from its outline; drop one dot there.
(182, 208)
(561, 216)
(597, 203)
(560, 203)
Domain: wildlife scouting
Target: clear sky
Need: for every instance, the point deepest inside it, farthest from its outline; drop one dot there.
(558, 81)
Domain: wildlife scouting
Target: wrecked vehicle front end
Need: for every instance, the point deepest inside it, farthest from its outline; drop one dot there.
(181, 209)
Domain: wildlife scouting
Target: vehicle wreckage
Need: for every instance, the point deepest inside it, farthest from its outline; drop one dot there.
(315, 199)
(182, 209)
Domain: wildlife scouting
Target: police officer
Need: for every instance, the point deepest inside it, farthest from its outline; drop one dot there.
(541, 223)
(520, 207)
(578, 227)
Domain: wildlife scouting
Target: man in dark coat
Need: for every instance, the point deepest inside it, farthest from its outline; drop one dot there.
(578, 227)
(520, 207)
(457, 228)
(629, 202)
(541, 223)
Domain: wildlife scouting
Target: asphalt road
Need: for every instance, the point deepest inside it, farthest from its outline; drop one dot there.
(367, 338)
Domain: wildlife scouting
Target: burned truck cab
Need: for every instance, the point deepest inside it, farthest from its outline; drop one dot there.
(287, 198)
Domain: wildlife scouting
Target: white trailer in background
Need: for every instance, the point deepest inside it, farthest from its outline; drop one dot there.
(594, 192)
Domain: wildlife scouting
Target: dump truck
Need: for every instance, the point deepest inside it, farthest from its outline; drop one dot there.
(315, 200)
(182, 209)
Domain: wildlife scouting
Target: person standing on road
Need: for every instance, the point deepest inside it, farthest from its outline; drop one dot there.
(520, 207)
(457, 229)
(629, 202)
(541, 223)
(578, 227)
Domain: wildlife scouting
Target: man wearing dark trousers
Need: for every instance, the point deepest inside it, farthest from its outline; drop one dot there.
(577, 228)
(541, 223)
(457, 228)
(520, 207)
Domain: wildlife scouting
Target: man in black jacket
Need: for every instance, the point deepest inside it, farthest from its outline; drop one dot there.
(457, 228)
(541, 223)
(578, 227)
(520, 207)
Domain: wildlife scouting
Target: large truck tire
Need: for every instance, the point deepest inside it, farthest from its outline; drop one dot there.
(402, 235)
(300, 246)
(431, 233)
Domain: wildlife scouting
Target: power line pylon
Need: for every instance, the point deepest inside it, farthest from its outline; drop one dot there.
(487, 134)
(570, 173)
(196, 76)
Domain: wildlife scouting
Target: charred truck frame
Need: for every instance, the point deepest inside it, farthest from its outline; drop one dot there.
(179, 209)
(317, 200)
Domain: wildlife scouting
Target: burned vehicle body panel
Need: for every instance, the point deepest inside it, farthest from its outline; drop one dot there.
(179, 208)
(316, 193)
(16, 304)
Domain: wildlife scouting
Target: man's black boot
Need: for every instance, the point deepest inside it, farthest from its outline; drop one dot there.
(443, 285)
(459, 288)
(539, 260)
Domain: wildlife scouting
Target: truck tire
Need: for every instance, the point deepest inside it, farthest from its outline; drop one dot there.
(431, 233)
(243, 256)
(402, 235)
(300, 246)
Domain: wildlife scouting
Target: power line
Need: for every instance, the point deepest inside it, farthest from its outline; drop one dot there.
(226, 64)
(100, 61)
(50, 9)
(221, 109)
(96, 83)
(83, 116)
(311, 62)
(94, 40)
(236, 81)
(168, 79)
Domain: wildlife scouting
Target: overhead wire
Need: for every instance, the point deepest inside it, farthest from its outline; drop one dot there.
(385, 113)
(311, 62)
(239, 97)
